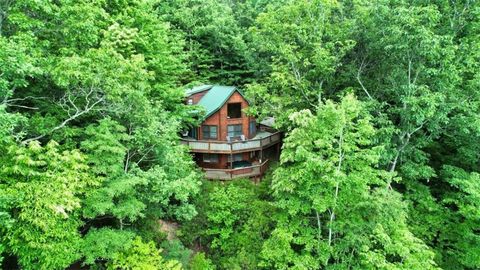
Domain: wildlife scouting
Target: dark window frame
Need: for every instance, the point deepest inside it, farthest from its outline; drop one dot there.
(209, 132)
(234, 110)
(235, 132)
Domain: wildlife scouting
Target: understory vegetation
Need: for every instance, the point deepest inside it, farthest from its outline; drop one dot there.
(378, 101)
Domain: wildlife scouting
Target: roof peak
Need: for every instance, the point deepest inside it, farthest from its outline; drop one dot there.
(215, 97)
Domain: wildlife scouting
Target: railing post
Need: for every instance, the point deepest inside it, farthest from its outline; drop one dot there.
(231, 159)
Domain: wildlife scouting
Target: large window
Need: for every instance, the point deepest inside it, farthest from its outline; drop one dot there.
(234, 110)
(209, 132)
(210, 158)
(234, 130)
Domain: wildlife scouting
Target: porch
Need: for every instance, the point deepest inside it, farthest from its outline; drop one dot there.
(262, 140)
(255, 170)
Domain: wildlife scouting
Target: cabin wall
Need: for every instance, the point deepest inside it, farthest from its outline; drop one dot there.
(220, 119)
(222, 161)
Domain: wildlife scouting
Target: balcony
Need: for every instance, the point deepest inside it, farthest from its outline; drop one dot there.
(243, 172)
(262, 140)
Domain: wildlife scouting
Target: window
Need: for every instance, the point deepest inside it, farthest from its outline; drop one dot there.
(234, 130)
(192, 133)
(234, 110)
(236, 157)
(210, 158)
(209, 132)
(253, 128)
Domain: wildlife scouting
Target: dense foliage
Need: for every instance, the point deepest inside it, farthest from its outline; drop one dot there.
(379, 102)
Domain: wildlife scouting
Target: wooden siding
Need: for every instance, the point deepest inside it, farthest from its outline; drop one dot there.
(222, 161)
(220, 119)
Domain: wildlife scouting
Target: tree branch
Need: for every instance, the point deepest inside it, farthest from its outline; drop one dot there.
(89, 105)
(362, 65)
(298, 78)
(10, 102)
(337, 185)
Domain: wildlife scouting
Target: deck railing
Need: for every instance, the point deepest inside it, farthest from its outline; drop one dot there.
(206, 146)
(228, 174)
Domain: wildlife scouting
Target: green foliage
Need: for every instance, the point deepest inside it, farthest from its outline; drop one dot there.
(103, 243)
(339, 210)
(41, 189)
(462, 201)
(17, 62)
(140, 255)
(232, 221)
(100, 77)
(104, 147)
(117, 249)
(91, 103)
(215, 39)
(416, 65)
(174, 250)
(200, 262)
(303, 44)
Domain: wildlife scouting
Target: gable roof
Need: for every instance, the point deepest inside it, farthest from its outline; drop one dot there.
(215, 98)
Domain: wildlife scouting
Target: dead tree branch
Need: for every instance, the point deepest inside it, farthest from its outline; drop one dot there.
(90, 99)
(359, 73)
(11, 102)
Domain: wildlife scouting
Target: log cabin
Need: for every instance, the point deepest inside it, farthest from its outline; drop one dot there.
(228, 143)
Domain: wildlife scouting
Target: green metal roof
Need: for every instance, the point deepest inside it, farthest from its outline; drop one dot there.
(215, 98)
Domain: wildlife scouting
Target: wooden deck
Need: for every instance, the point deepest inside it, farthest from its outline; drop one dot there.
(261, 141)
(244, 172)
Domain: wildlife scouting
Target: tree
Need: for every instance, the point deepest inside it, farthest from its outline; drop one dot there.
(41, 190)
(140, 255)
(232, 223)
(102, 79)
(302, 44)
(92, 100)
(338, 208)
(199, 262)
(215, 39)
(425, 88)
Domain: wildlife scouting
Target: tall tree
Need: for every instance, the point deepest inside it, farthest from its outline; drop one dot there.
(339, 211)
(42, 188)
(301, 45)
(215, 39)
(102, 78)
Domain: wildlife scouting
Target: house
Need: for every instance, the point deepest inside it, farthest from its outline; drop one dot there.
(229, 144)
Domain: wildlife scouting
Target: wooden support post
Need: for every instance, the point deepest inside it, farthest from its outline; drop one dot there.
(231, 159)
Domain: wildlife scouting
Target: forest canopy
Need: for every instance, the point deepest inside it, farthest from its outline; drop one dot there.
(378, 103)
